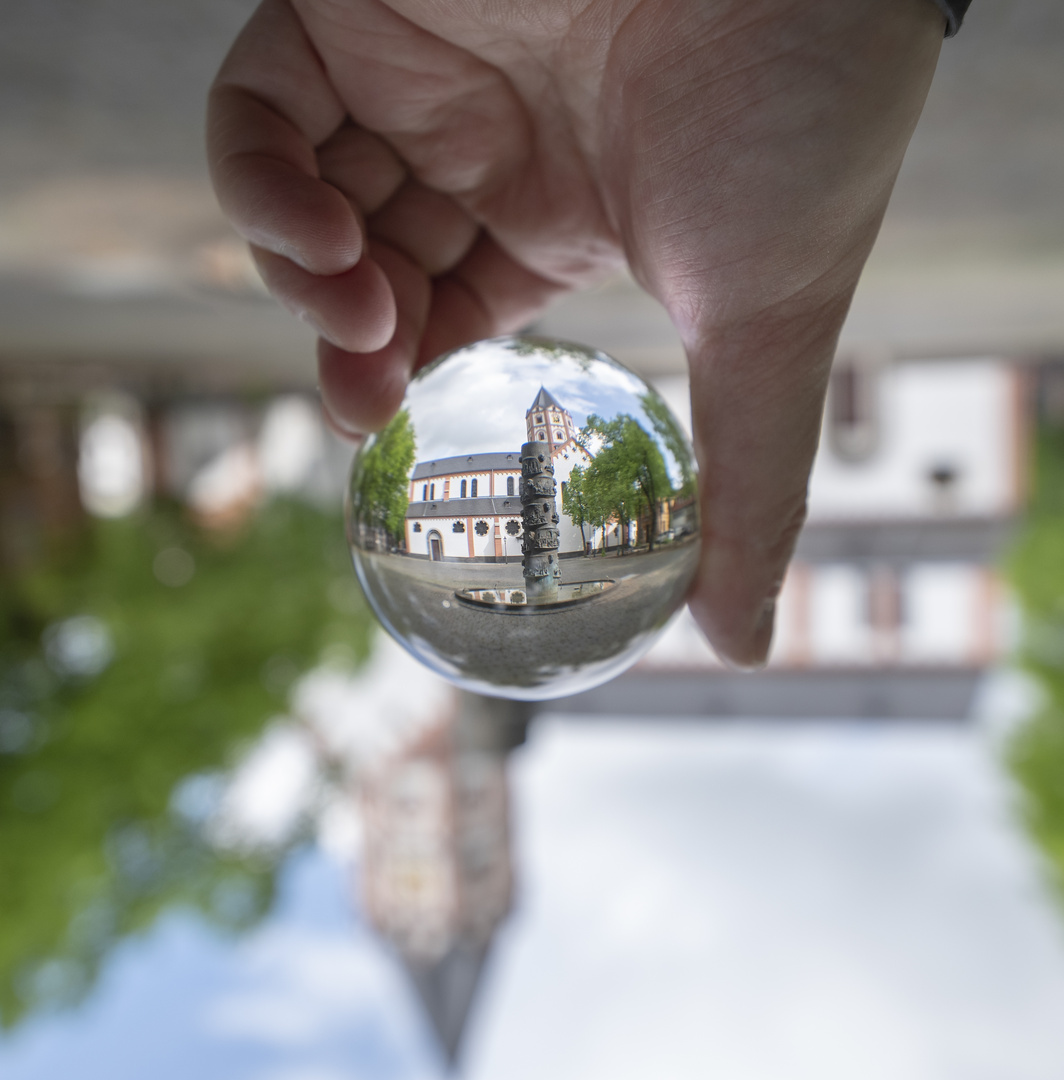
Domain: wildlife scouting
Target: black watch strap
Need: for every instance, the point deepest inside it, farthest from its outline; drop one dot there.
(954, 11)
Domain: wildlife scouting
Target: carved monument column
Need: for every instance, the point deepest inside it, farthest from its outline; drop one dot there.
(539, 516)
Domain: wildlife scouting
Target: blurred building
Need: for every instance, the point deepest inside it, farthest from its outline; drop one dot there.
(437, 876)
(893, 604)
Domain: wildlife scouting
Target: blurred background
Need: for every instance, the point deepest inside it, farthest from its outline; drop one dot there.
(243, 834)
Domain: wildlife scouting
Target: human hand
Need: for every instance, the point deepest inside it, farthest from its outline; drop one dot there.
(413, 175)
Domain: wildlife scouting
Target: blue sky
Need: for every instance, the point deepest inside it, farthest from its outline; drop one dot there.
(475, 402)
(309, 995)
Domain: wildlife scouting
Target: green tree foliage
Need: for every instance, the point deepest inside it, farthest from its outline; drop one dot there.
(1036, 571)
(91, 847)
(672, 438)
(382, 479)
(575, 504)
(626, 478)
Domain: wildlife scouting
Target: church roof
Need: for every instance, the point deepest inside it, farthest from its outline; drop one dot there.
(482, 506)
(465, 463)
(544, 400)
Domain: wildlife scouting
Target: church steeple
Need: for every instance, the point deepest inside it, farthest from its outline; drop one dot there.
(546, 421)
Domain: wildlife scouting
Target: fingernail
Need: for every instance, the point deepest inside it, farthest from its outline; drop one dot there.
(763, 628)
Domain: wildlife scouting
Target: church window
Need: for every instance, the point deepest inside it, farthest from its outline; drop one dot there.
(473, 489)
(432, 491)
(513, 527)
(539, 418)
(458, 526)
(481, 528)
(462, 492)
(417, 526)
(509, 485)
(424, 492)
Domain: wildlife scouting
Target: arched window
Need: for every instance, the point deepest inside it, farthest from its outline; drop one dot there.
(424, 493)
(509, 485)
(473, 489)
(462, 492)
(432, 491)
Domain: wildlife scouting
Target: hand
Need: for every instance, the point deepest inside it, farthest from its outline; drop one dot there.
(416, 174)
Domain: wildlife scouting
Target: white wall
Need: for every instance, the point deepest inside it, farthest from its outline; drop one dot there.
(959, 413)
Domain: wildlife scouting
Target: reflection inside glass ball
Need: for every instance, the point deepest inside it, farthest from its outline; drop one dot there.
(529, 519)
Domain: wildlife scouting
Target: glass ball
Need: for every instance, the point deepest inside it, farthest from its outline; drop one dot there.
(528, 521)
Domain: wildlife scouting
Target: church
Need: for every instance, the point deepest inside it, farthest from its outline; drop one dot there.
(469, 506)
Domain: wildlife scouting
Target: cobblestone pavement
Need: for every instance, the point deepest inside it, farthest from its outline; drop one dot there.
(503, 651)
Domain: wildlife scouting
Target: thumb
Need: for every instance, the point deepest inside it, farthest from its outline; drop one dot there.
(757, 395)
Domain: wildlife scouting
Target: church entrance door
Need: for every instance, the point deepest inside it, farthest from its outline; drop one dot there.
(435, 546)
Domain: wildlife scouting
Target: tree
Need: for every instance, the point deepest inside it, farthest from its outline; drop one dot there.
(382, 477)
(575, 503)
(93, 747)
(626, 476)
(672, 438)
(1036, 573)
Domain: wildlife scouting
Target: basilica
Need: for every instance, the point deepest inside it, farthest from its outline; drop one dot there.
(469, 507)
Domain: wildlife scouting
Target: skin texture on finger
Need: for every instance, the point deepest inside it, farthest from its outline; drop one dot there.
(355, 310)
(487, 294)
(463, 130)
(363, 166)
(361, 392)
(270, 105)
(428, 225)
(757, 426)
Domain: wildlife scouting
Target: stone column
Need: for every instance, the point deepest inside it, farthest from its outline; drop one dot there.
(539, 516)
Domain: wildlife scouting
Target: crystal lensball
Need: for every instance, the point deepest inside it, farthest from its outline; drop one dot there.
(529, 519)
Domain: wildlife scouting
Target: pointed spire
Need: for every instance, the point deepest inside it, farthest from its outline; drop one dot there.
(446, 988)
(544, 400)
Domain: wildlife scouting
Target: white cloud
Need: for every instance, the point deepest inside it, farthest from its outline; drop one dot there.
(269, 792)
(300, 987)
(362, 717)
(815, 902)
(476, 401)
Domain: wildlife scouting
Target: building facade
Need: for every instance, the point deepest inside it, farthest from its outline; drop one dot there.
(469, 506)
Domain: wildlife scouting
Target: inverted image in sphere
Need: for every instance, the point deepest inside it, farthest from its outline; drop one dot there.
(528, 521)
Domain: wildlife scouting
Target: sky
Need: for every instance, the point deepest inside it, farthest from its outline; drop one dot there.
(475, 401)
(743, 900)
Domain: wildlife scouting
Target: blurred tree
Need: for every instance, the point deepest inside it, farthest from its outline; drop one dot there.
(1036, 571)
(150, 654)
(383, 479)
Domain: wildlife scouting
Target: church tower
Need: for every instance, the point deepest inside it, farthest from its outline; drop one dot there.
(546, 421)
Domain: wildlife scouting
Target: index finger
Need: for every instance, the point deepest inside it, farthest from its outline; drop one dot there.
(270, 106)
